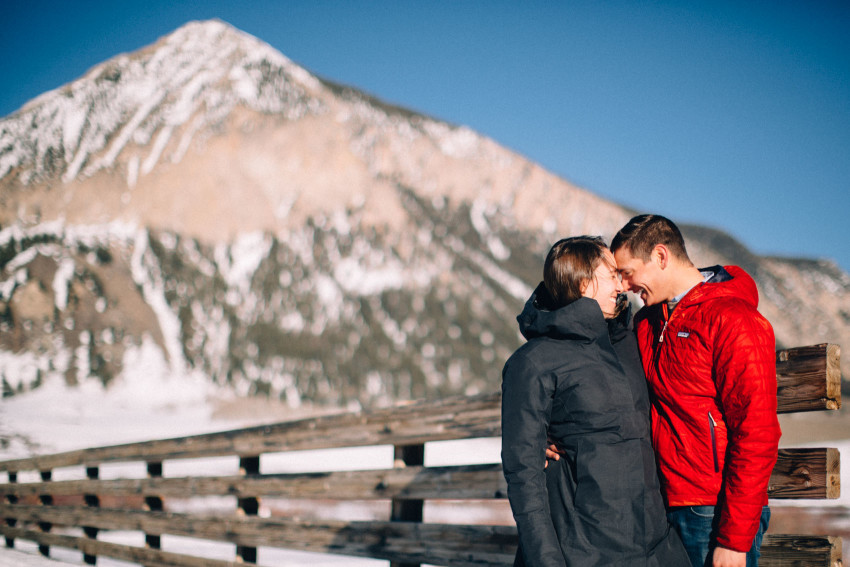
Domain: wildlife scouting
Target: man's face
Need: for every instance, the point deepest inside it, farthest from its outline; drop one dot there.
(639, 277)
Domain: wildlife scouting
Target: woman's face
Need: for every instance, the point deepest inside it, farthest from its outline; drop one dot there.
(605, 286)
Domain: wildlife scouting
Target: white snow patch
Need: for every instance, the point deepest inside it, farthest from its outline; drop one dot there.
(186, 139)
(8, 287)
(193, 254)
(99, 234)
(498, 249)
(20, 370)
(217, 331)
(341, 223)
(26, 554)
(81, 357)
(158, 146)
(292, 322)
(147, 275)
(355, 278)
(133, 171)
(61, 281)
(72, 128)
(454, 142)
(238, 263)
(22, 259)
(478, 211)
(243, 83)
(329, 295)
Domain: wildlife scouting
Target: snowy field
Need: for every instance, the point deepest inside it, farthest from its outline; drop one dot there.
(55, 418)
(27, 558)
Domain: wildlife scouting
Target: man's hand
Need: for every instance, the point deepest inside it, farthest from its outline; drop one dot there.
(553, 452)
(728, 558)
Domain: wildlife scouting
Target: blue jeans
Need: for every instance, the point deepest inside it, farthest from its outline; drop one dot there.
(697, 526)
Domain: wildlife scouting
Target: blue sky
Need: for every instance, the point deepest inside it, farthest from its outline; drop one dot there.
(730, 114)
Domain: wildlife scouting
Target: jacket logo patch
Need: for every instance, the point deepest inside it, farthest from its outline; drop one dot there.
(683, 334)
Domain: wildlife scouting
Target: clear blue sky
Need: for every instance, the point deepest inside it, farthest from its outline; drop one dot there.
(732, 114)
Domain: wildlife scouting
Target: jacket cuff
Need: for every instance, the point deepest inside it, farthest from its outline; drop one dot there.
(742, 544)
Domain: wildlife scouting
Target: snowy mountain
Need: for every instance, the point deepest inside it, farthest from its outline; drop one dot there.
(204, 207)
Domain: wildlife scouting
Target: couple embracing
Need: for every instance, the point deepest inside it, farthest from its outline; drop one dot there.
(662, 430)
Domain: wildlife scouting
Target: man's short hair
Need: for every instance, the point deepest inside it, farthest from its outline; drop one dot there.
(644, 232)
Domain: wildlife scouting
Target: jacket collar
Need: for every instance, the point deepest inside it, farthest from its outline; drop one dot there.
(582, 319)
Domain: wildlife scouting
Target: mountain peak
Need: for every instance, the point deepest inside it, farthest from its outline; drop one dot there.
(185, 83)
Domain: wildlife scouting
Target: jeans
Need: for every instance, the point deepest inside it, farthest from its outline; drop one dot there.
(697, 526)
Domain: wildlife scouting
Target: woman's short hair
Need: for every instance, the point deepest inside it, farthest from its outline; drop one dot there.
(570, 263)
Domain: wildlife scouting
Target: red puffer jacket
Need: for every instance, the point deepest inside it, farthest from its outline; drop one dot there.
(711, 367)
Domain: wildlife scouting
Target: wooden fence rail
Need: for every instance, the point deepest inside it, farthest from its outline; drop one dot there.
(49, 511)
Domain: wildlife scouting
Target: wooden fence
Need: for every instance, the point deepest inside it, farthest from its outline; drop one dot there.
(71, 513)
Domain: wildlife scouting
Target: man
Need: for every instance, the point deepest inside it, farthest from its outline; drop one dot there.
(709, 358)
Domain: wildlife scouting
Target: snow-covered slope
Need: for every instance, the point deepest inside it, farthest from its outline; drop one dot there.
(182, 86)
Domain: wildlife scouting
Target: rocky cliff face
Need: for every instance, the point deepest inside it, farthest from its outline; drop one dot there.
(204, 205)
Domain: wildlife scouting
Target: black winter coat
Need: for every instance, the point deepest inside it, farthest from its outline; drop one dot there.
(578, 380)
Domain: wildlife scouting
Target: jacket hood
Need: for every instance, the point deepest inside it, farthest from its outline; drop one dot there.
(727, 281)
(581, 319)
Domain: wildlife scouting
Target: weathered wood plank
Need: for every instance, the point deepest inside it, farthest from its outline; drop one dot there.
(800, 551)
(806, 473)
(438, 544)
(414, 482)
(799, 473)
(150, 557)
(808, 378)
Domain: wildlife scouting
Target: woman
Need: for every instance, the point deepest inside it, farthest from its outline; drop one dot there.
(578, 381)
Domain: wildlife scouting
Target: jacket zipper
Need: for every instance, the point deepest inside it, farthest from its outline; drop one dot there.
(711, 425)
(661, 339)
(666, 321)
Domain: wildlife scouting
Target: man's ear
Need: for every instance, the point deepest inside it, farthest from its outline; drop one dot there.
(661, 256)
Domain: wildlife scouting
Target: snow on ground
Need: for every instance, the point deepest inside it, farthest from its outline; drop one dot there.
(26, 558)
(139, 406)
(55, 418)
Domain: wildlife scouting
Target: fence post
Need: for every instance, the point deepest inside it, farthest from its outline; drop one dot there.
(153, 503)
(248, 506)
(11, 499)
(407, 510)
(92, 501)
(45, 500)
